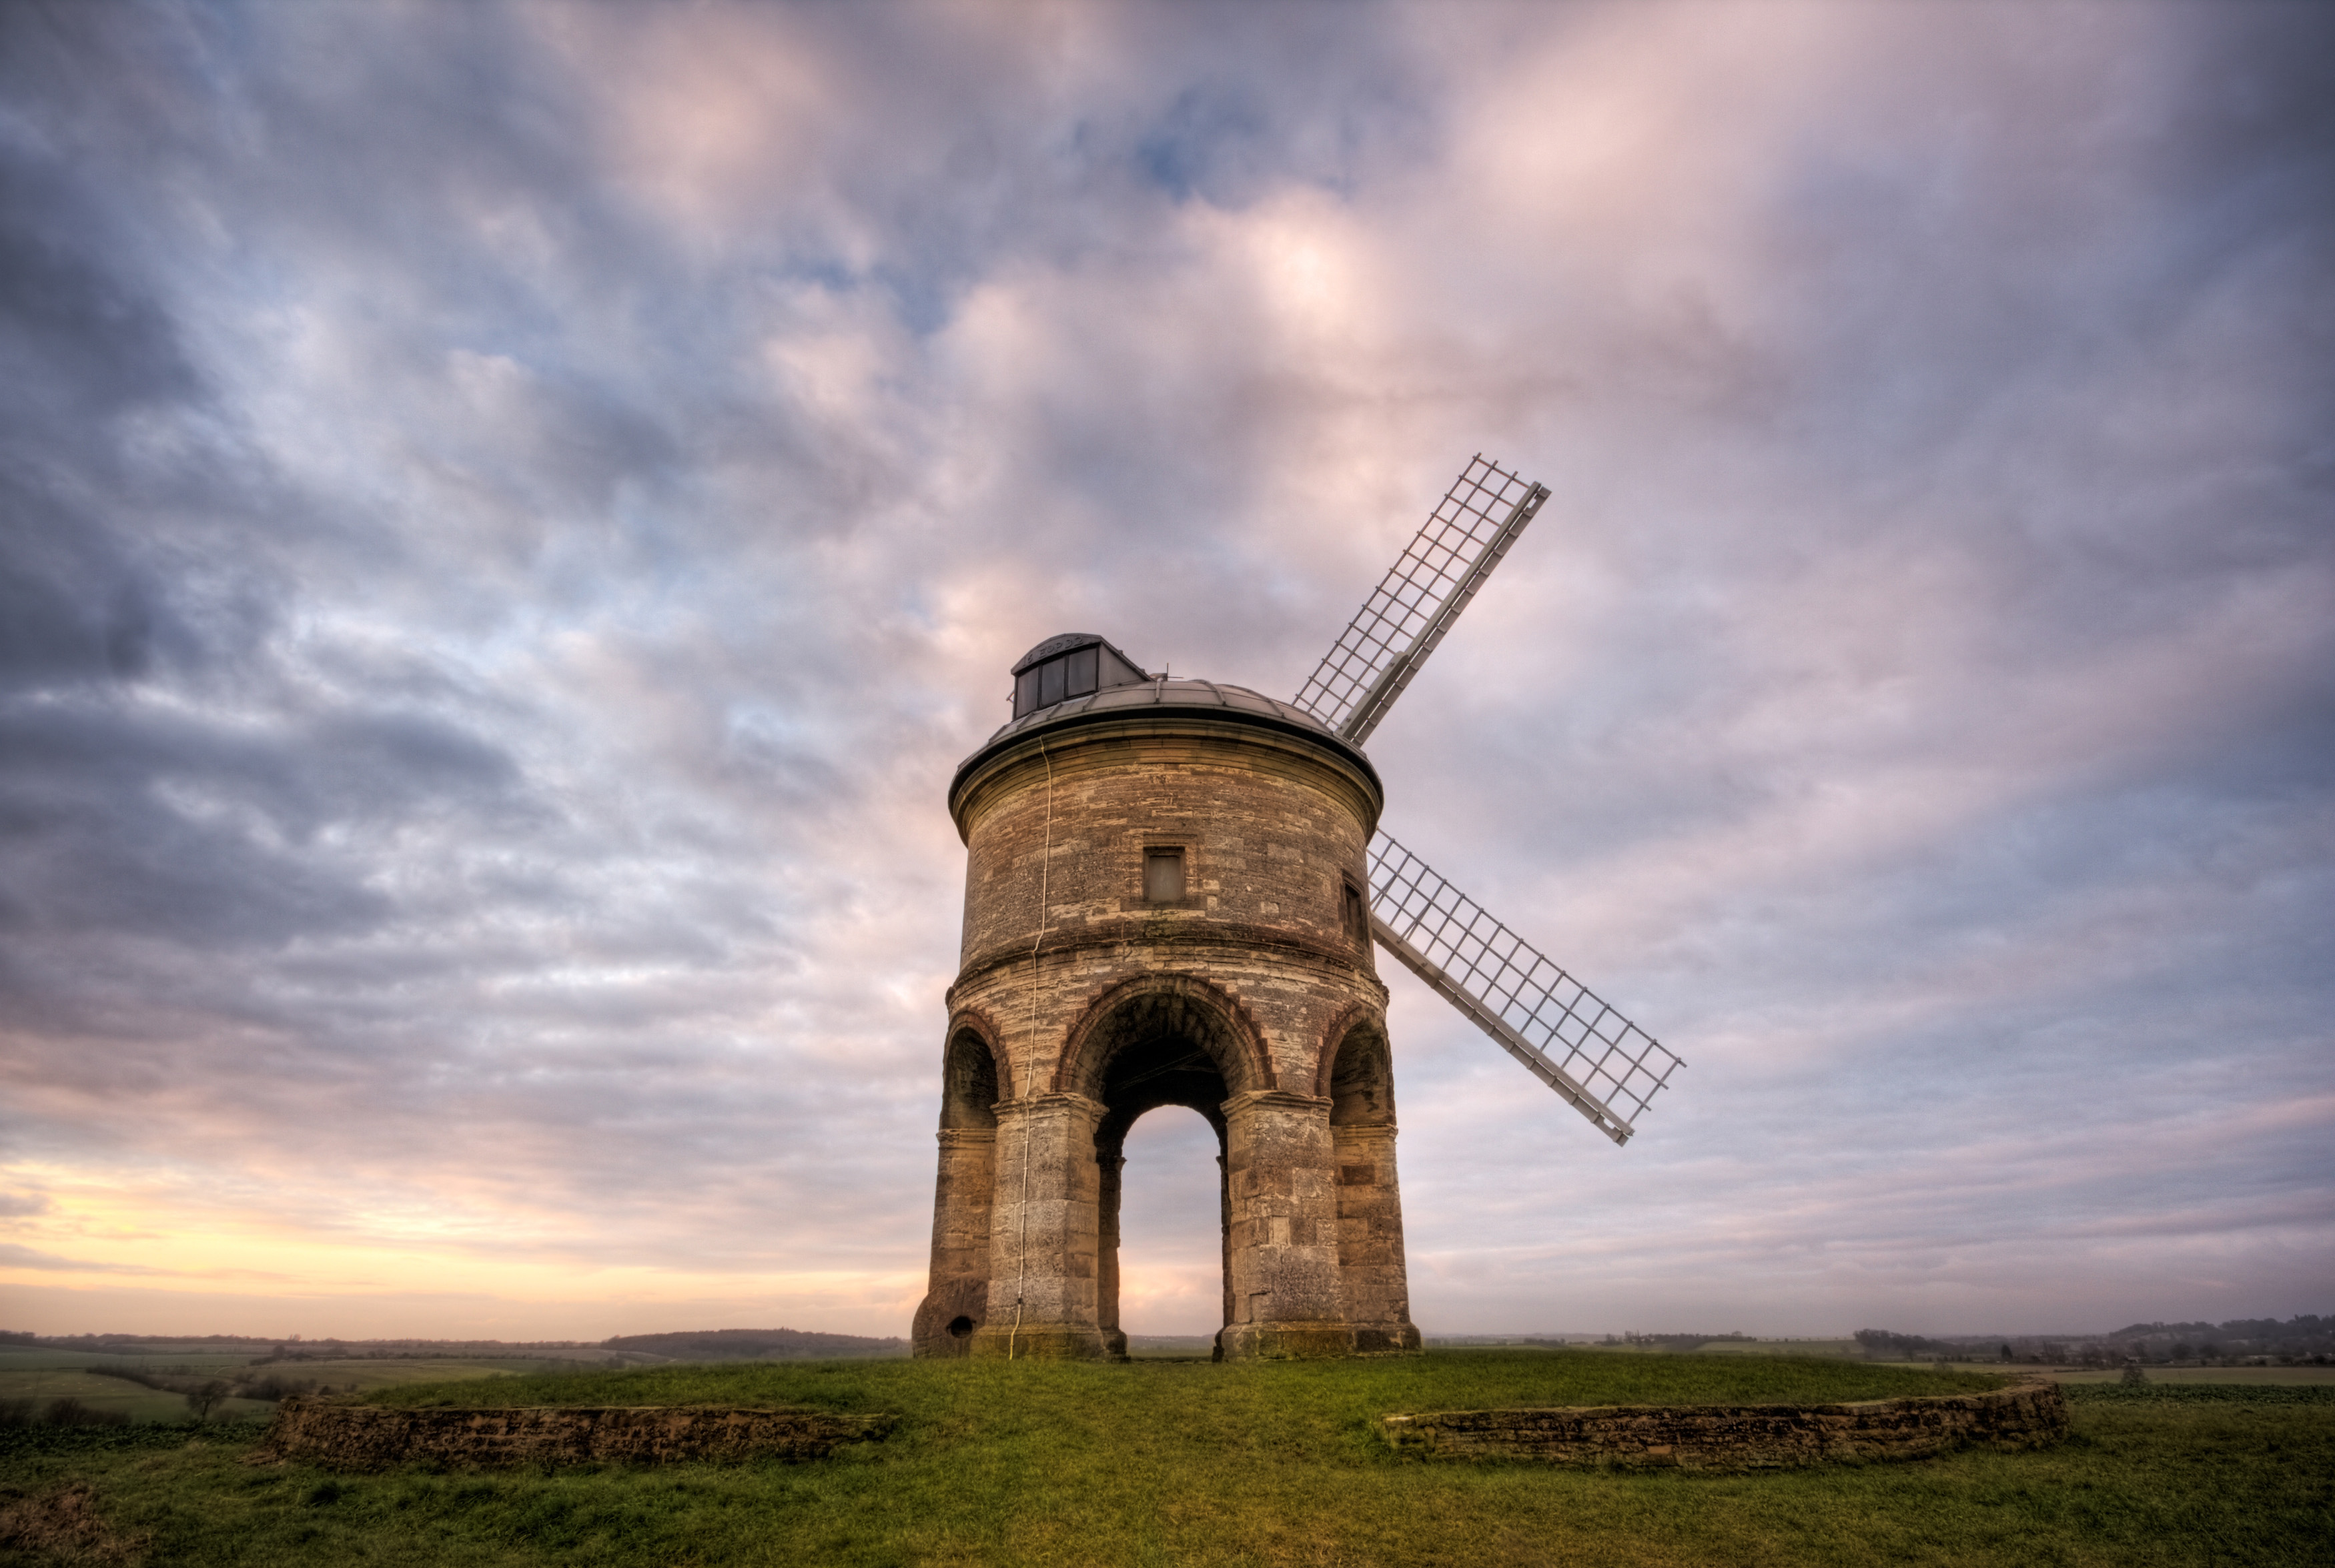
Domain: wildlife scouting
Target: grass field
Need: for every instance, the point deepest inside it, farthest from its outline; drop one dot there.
(1167, 1462)
(2308, 1377)
(43, 1374)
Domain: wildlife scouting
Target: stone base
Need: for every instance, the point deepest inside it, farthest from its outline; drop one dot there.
(368, 1437)
(1740, 1437)
(1300, 1341)
(1038, 1342)
(1315, 1342)
(1387, 1340)
(949, 1316)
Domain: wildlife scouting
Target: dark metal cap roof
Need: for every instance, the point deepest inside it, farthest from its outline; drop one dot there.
(1168, 699)
(1062, 643)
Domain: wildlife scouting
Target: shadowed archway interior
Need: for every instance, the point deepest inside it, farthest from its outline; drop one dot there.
(1153, 1049)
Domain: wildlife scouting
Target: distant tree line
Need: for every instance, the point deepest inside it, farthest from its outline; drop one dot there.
(65, 1412)
(2305, 1340)
(756, 1345)
(203, 1393)
(1881, 1345)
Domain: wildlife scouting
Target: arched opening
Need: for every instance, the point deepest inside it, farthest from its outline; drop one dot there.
(972, 1083)
(1373, 1278)
(1171, 1227)
(1170, 1044)
(1361, 1079)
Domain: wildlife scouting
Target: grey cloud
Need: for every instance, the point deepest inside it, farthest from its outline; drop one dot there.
(513, 514)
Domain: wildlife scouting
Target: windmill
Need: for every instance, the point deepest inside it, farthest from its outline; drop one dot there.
(1173, 888)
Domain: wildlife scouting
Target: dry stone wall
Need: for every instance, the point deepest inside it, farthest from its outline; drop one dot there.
(1740, 1437)
(371, 1437)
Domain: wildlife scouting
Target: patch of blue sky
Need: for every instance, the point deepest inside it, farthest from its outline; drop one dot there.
(1210, 143)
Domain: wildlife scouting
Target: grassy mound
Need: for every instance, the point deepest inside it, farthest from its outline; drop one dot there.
(1241, 1466)
(1317, 1397)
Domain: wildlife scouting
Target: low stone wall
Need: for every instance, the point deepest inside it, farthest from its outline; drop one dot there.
(1741, 1436)
(369, 1437)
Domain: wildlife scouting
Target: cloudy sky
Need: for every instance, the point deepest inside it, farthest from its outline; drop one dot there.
(509, 515)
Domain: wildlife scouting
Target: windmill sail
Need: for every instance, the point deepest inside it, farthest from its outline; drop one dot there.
(1604, 1065)
(1399, 624)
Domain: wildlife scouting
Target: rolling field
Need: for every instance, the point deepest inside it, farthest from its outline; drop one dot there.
(41, 1375)
(1167, 1462)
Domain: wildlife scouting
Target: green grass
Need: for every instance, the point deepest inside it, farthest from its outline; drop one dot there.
(1167, 1462)
(2321, 1376)
(2263, 1394)
(1330, 1391)
(43, 1384)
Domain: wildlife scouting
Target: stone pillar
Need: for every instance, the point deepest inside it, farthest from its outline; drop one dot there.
(1224, 1233)
(1109, 1163)
(959, 1299)
(1282, 1240)
(1369, 1240)
(1042, 1232)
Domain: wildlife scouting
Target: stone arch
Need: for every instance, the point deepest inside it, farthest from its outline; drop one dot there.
(974, 1074)
(1156, 1006)
(1147, 1042)
(1356, 1075)
(1356, 1078)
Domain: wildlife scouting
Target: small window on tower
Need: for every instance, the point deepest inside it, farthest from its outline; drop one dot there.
(1358, 914)
(1163, 875)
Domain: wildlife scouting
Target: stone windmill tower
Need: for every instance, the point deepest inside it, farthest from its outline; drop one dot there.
(1172, 891)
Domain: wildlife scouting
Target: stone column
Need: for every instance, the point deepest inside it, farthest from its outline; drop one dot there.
(1042, 1232)
(1284, 1235)
(1108, 1165)
(959, 1299)
(1369, 1240)
(1224, 1233)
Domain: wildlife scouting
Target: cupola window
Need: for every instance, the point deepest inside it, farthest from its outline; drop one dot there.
(1075, 664)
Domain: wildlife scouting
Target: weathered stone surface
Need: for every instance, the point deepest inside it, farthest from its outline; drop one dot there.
(369, 1437)
(1081, 1005)
(1741, 1436)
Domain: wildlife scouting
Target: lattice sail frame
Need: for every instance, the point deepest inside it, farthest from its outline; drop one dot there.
(1564, 1033)
(1399, 624)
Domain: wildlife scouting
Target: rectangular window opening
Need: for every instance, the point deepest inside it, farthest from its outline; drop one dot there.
(1358, 914)
(1163, 875)
(1081, 673)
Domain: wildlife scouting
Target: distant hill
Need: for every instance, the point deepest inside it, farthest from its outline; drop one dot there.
(756, 1345)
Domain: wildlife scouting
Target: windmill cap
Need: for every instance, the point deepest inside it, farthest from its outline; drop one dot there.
(1165, 702)
(1063, 643)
